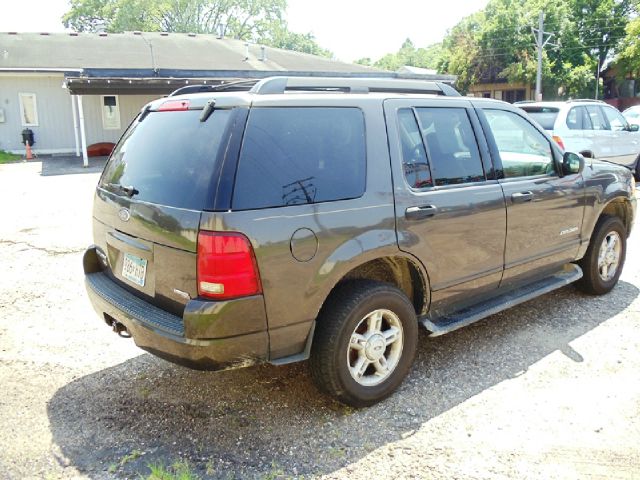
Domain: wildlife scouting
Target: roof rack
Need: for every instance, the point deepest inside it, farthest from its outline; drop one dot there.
(591, 100)
(277, 85)
(241, 85)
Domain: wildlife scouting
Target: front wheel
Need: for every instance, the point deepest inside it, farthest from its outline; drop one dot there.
(365, 342)
(602, 263)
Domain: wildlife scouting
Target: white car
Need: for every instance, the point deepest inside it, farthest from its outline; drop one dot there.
(632, 114)
(590, 127)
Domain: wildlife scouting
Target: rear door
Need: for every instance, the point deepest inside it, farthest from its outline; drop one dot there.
(544, 210)
(450, 211)
(150, 197)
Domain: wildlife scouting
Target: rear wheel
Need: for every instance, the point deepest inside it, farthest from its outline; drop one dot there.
(366, 339)
(602, 263)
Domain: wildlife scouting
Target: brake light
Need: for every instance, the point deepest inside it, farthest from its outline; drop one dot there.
(559, 141)
(227, 266)
(174, 106)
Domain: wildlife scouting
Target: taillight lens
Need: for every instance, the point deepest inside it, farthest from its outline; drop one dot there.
(227, 267)
(174, 106)
(559, 141)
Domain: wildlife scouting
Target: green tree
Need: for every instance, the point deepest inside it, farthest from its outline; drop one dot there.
(409, 55)
(278, 35)
(498, 43)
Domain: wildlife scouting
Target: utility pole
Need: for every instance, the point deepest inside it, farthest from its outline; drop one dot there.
(539, 36)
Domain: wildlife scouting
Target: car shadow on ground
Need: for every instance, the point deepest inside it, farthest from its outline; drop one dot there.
(252, 422)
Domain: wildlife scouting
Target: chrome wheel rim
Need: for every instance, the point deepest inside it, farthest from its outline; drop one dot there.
(609, 256)
(375, 347)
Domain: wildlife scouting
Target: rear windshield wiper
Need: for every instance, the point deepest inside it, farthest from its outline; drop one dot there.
(129, 191)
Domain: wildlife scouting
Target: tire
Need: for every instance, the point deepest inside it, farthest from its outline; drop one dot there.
(636, 170)
(363, 328)
(608, 229)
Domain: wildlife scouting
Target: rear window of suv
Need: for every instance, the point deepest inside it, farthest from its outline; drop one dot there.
(168, 158)
(545, 116)
(300, 155)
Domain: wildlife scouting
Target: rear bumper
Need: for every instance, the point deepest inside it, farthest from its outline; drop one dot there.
(163, 334)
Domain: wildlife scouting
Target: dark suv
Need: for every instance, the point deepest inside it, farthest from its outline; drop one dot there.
(325, 219)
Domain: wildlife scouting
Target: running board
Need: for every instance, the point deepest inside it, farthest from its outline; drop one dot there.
(570, 273)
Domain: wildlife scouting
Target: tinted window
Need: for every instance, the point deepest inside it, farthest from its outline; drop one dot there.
(597, 119)
(578, 119)
(414, 158)
(524, 151)
(451, 145)
(616, 120)
(168, 157)
(545, 116)
(293, 156)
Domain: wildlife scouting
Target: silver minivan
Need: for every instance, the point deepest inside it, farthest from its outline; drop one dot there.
(590, 127)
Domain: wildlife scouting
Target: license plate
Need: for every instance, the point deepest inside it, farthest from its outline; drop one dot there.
(134, 269)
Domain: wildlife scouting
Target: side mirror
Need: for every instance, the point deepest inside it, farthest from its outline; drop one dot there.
(572, 163)
(634, 127)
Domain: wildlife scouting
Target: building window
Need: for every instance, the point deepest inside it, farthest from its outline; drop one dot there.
(110, 112)
(28, 109)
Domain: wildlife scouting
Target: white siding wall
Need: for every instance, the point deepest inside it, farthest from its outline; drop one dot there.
(54, 133)
(55, 121)
(129, 105)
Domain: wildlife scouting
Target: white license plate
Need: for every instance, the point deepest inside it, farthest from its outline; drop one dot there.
(134, 269)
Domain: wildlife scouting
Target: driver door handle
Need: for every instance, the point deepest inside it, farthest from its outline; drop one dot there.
(522, 197)
(419, 213)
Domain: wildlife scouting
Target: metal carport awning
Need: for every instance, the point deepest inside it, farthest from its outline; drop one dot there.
(135, 86)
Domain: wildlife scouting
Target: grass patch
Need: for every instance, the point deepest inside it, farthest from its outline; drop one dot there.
(178, 471)
(6, 157)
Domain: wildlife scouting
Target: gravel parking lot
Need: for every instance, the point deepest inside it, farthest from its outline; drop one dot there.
(549, 389)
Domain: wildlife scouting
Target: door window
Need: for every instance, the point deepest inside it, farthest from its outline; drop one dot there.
(451, 145)
(110, 112)
(524, 151)
(597, 119)
(414, 158)
(28, 109)
(616, 120)
(578, 119)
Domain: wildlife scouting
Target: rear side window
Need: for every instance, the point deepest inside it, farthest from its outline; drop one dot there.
(300, 155)
(414, 158)
(545, 116)
(168, 158)
(578, 119)
(451, 145)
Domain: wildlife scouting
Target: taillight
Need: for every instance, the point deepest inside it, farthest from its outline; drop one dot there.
(174, 106)
(559, 141)
(227, 267)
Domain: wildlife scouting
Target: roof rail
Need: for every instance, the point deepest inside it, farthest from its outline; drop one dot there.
(277, 85)
(591, 100)
(241, 85)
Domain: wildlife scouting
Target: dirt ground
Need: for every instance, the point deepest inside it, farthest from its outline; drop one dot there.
(549, 389)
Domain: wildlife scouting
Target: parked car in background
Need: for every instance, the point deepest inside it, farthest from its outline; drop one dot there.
(632, 114)
(590, 127)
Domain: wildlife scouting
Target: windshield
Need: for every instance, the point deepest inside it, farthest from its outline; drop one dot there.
(545, 116)
(167, 159)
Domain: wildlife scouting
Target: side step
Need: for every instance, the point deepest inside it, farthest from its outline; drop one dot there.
(570, 273)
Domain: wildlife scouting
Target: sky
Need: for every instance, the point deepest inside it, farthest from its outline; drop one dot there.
(351, 29)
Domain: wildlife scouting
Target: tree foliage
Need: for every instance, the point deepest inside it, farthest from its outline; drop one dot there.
(256, 20)
(409, 55)
(498, 43)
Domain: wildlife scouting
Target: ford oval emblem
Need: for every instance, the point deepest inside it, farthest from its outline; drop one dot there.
(124, 214)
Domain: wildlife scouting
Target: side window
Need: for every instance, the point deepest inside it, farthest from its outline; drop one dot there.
(578, 119)
(414, 158)
(616, 120)
(293, 156)
(597, 119)
(524, 151)
(451, 145)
